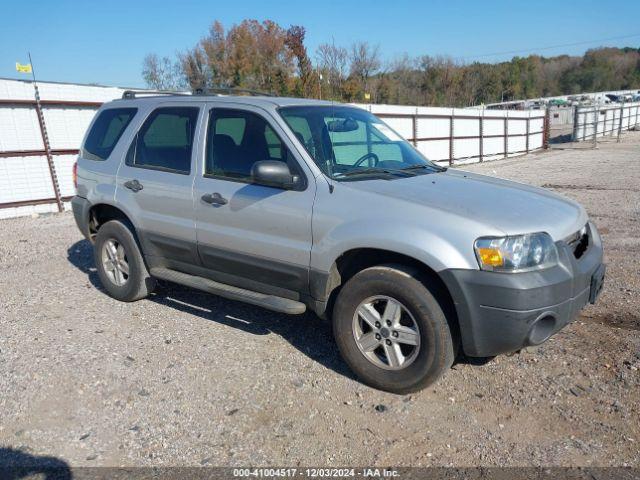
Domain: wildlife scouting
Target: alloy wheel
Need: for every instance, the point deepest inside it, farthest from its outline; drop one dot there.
(386, 332)
(114, 262)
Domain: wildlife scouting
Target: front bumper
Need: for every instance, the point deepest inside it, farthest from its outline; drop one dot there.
(503, 312)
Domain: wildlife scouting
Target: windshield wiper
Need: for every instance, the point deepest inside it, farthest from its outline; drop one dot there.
(372, 170)
(421, 166)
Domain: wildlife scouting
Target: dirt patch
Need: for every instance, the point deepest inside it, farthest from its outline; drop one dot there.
(586, 187)
(626, 320)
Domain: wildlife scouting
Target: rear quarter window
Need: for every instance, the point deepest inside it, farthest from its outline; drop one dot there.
(106, 131)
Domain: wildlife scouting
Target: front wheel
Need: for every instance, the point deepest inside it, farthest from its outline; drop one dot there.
(391, 330)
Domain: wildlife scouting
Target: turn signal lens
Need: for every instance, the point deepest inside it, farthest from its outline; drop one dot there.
(490, 257)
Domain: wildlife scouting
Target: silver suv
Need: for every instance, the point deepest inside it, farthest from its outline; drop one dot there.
(295, 204)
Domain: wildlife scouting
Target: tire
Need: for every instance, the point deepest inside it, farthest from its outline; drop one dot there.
(126, 287)
(435, 350)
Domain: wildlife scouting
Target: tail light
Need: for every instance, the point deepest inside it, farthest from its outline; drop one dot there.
(75, 175)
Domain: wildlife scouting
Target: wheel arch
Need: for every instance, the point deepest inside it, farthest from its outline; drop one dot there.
(101, 213)
(352, 261)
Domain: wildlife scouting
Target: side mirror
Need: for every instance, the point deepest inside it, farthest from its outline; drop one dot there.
(274, 173)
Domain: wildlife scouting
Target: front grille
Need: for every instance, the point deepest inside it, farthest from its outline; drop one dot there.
(579, 241)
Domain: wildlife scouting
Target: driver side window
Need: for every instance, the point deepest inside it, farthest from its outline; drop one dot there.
(236, 139)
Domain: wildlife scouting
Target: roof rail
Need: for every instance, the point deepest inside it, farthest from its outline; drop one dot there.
(230, 91)
(131, 94)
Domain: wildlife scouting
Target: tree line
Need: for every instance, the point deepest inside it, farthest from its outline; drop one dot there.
(268, 57)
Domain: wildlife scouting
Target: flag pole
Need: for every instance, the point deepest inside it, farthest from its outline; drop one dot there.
(45, 140)
(33, 70)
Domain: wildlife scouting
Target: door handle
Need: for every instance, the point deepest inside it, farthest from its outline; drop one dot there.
(214, 199)
(133, 185)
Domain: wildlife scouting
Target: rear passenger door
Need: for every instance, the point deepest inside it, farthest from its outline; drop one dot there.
(155, 183)
(252, 236)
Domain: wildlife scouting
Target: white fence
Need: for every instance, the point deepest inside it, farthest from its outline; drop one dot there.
(456, 135)
(607, 120)
(446, 135)
(26, 183)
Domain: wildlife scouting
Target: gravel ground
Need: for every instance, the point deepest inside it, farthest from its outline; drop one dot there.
(184, 378)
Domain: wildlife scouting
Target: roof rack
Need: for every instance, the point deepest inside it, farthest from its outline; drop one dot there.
(131, 94)
(231, 91)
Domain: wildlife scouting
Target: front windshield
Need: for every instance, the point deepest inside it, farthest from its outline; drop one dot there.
(349, 143)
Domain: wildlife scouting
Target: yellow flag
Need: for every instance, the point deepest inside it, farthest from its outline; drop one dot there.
(23, 68)
(367, 96)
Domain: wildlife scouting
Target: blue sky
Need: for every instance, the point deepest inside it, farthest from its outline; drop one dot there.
(105, 41)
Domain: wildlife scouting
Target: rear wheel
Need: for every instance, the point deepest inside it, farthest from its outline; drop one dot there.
(120, 264)
(391, 330)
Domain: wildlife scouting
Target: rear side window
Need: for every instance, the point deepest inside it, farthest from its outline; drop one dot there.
(106, 131)
(165, 140)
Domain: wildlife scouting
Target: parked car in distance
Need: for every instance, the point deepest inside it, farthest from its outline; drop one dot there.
(534, 105)
(619, 98)
(296, 205)
(557, 102)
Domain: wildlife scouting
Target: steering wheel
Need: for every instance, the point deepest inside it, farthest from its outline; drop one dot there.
(365, 156)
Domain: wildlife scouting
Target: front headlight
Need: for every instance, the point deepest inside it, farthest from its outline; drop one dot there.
(517, 253)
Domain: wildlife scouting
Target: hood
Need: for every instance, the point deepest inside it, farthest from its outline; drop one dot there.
(511, 207)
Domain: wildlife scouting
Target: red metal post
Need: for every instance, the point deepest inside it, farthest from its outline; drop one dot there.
(506, 137)
(47, 148)
(451, 140)
(596, 118)
(620, 121)
(545, 134)
(480, 133)
(414, 120)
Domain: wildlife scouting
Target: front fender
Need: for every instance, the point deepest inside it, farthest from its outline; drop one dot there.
(396, 236)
